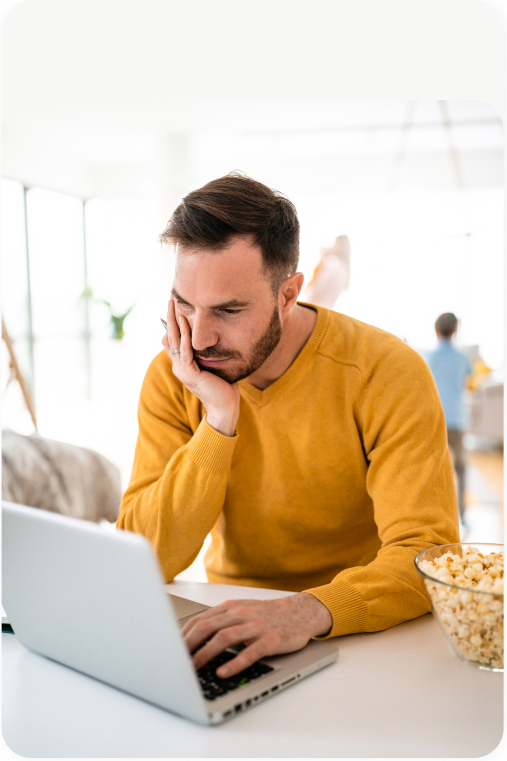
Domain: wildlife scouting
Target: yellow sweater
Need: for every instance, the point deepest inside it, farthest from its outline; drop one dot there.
(338, 476)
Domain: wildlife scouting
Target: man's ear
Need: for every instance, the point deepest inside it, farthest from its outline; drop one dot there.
(289, 291)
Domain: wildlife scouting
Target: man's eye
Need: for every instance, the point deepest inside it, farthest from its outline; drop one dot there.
(231, 311)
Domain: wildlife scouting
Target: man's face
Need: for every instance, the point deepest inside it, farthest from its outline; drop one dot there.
(230, 307)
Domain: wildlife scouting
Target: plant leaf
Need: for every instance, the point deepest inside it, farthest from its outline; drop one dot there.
(87, 293)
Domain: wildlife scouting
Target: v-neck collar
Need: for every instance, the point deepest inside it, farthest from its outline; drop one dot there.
(293, 372)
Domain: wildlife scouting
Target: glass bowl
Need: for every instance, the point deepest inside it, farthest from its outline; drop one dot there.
(471, 618)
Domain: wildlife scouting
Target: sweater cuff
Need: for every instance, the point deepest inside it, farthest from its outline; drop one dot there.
(210, 449)
(347, 607)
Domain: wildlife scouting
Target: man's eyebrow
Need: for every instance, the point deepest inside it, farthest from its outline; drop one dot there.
(176, 295)
(231, 304)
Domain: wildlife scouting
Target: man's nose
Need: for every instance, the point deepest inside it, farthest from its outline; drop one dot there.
(203, 333)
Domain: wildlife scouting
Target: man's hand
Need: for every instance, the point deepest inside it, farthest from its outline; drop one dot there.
(266, 627)
(220, 399)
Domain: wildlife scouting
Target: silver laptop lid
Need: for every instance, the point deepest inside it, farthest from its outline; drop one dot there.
(95, 601)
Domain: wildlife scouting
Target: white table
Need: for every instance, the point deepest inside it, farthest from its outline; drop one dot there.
(398, 693)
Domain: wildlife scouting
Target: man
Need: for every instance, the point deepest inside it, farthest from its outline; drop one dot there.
(311, 445)
(450, 369)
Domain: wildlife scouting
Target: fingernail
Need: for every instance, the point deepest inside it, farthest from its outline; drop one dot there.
(224, 671)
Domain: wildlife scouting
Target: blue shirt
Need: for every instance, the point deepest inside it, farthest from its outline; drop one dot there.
(450, 368)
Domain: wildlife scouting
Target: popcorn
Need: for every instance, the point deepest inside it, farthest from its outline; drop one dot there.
(472, 619)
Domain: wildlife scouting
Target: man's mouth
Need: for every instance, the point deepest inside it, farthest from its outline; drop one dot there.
(211, 362)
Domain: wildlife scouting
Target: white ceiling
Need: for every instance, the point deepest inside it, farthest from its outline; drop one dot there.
(90, 105)
(94, 148)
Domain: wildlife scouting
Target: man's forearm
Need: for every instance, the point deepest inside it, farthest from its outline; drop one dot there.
(179, 507)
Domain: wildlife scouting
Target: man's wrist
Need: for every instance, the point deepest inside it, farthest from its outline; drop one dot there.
(223, 423)
(320, 619)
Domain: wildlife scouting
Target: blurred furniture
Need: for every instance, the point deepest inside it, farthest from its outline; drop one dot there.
(59, 477)
(401, 693)
(486, 412)
(16, 374)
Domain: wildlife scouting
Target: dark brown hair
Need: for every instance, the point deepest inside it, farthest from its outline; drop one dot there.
(235, 205)
(446, 324)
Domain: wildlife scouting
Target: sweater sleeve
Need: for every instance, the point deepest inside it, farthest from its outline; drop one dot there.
(180, 472)
(410, 482)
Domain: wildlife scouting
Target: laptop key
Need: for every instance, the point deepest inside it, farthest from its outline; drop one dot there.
(214, 687)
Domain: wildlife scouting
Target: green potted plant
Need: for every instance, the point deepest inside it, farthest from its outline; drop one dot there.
(117, 320)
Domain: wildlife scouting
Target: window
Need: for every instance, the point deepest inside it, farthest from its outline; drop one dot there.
(85, 385)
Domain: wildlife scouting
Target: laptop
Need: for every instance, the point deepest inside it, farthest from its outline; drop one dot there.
(95, 600)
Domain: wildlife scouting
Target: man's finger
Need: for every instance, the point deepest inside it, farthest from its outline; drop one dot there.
(244, 659)
(173, 332)
(226, 637)
(200, 627)
(216, 610)
(186, 352)
(172, 338)
(209, 627)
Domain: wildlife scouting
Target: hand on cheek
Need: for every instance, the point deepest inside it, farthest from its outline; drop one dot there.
(219, 398)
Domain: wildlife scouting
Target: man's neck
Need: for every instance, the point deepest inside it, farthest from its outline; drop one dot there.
(297, 329)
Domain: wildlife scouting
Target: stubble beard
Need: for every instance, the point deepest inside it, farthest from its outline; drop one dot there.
(259, 352)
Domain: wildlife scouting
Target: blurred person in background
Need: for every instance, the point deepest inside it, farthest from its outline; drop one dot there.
(451, 368)
(331, 275)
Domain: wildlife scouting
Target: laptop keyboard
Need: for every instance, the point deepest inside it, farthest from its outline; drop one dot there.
(213, 687)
